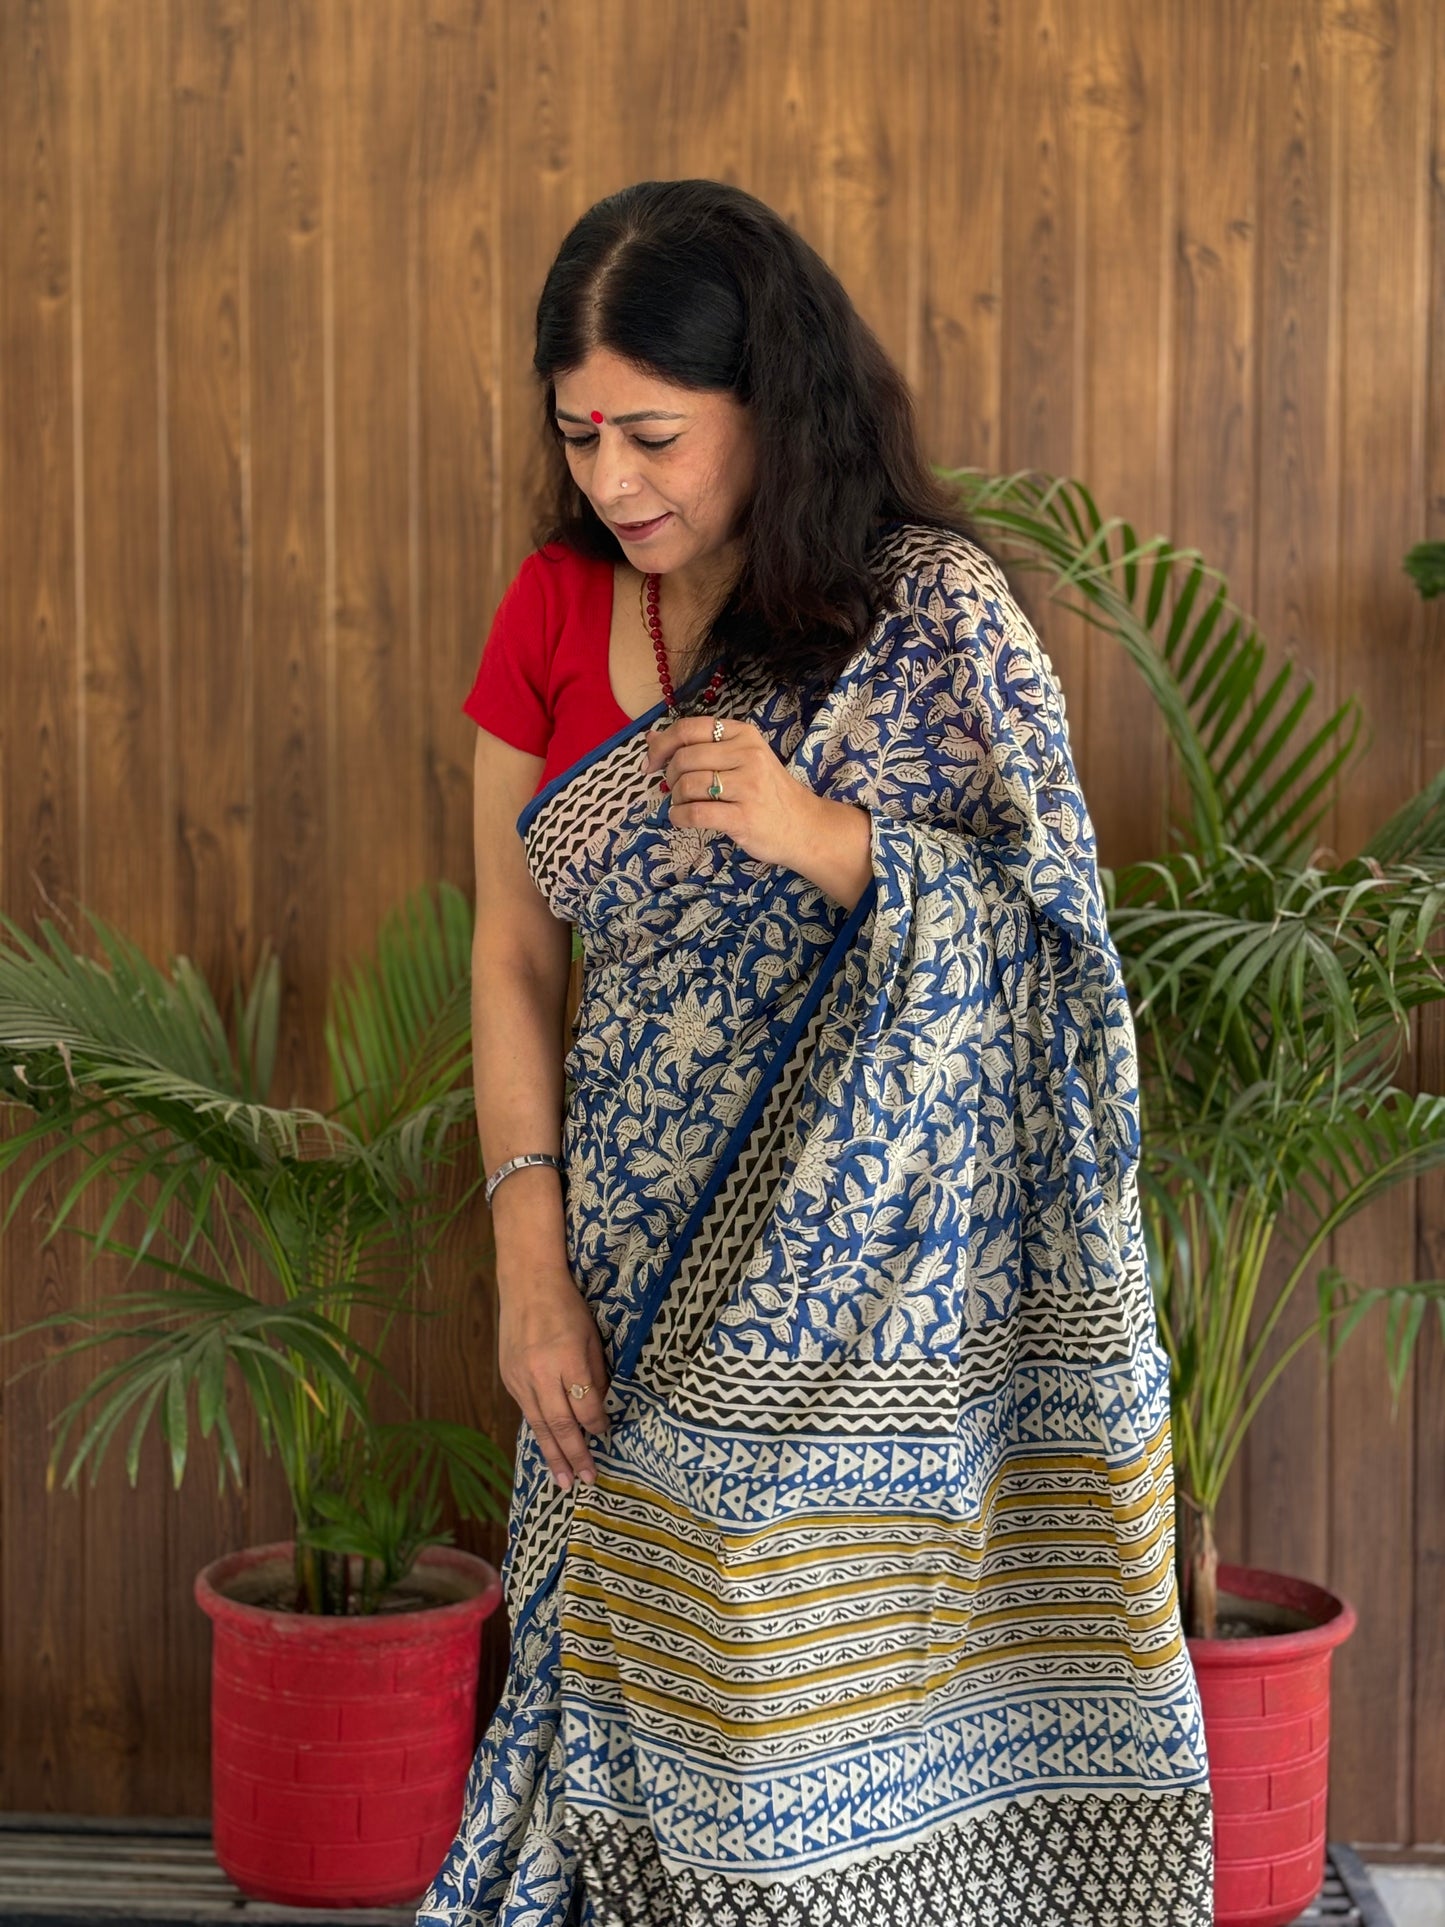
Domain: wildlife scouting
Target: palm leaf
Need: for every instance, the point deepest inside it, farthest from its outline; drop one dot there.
(153, 1043)
(398, 1030)
(1251, 781)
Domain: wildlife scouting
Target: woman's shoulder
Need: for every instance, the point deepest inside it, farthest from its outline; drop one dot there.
(551, 586)
(949, 607)
(562, 585)
(913, 556)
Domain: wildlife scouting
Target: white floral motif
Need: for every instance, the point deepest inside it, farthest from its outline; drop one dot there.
(689, 1031)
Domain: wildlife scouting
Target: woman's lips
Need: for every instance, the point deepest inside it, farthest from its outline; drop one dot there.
(639, 531)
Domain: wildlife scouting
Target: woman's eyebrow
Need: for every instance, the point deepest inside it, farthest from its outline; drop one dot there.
(641, 415)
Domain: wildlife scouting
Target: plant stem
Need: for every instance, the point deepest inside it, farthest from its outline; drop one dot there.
(1198, 1566)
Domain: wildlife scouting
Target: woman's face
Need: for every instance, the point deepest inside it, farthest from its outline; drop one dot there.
(669, 470)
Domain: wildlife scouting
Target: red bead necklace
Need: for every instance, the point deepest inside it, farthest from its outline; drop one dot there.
(652, 587)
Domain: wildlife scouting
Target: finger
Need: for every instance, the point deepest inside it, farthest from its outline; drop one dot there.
(591, 1411)
(706, 754)
(697, 786)
(552, 1452)
(689, 742)
(569, 1437)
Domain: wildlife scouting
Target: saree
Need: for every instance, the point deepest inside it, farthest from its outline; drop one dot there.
(870, 1616)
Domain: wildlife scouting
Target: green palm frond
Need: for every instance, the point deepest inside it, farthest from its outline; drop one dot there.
(1257, 778)
(398, 1031)
(477, 1472)
(1349, 1159)
(155, 1044)
(1415, 834)
(183, 1338)
(122, 1081)
(1343, 1303)
(1251, 958)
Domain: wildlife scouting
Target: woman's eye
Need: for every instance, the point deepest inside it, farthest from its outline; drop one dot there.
(586, 441)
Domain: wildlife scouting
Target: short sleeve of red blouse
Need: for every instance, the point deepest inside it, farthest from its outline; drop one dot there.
(509, 695)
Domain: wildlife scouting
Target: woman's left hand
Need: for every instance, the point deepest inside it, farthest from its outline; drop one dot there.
(764, 809)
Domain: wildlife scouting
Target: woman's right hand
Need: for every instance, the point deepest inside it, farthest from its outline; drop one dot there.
(547, 1340)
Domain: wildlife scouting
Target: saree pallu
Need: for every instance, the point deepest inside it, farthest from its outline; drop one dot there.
(870, 1617)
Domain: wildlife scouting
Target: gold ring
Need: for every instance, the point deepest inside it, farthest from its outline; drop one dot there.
(715, 787)
(579, 1391)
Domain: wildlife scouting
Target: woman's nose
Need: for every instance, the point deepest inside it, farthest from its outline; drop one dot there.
(613, 479)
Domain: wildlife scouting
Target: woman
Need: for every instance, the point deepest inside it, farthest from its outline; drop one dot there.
(840, 1567)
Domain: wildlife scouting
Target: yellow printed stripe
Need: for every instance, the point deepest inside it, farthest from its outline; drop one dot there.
(608, 1558)
(935, 1538)
(580, 1593)
(1032, 1614)
(877, 1702)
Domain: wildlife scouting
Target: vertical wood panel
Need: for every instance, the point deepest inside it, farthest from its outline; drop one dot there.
(206, 504)
(377, 852)
(285, 452)
(787, 48)
(711, 135)
(1216, 89)
(1122, 67)
(1298, 484)
(372, 54)
(963, 225)
(1378, 640)
(286, 456)
(873, 145)
(1216, 241)
(128, 774)
(1427, 1817)
(1042, 329)
(545, 105)
(42, 1573)
(631, 70)
(460, 205)
(461, 211)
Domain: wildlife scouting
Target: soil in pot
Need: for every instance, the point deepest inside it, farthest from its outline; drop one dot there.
(272, 1587)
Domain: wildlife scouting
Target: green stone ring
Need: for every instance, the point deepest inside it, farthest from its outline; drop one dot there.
(714, 788)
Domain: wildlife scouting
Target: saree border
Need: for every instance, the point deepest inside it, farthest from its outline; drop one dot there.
(550, 788)
(823, 977)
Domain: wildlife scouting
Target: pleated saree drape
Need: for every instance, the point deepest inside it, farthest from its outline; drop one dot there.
(870, 1617)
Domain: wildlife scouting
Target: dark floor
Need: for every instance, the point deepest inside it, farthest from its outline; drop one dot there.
(61, 1872)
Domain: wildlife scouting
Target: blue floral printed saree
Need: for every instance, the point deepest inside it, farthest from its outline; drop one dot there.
(870, 1617)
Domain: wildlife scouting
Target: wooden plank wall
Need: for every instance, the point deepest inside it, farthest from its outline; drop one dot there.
(267, 272)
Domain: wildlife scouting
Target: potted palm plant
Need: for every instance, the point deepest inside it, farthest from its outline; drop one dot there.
(1272, 986)
(278, 1246)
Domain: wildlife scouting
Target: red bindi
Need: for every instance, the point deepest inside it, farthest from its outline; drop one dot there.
(597, 415)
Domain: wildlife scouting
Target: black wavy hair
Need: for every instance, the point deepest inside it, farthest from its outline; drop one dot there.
(708, 288)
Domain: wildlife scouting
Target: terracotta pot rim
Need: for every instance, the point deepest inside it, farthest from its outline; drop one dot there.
(1334, 1617)
(371, 1629)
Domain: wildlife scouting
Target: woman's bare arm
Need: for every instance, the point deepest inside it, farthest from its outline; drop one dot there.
(521, 963)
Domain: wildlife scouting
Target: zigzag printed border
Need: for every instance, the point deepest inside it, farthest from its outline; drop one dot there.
(738, 1183)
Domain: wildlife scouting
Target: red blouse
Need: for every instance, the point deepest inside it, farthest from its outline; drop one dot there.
(543, 683)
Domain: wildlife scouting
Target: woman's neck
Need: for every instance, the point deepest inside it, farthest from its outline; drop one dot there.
(688, 602)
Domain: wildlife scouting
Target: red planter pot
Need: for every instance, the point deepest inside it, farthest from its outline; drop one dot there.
(1266, 1707)
(340, 1747)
